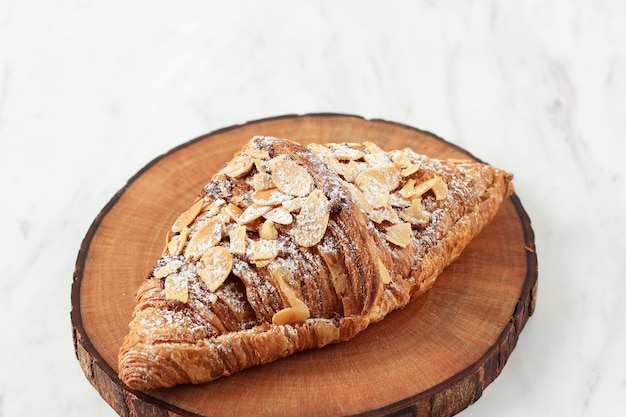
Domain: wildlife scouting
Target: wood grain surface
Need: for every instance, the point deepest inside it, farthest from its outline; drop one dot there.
(432, 358)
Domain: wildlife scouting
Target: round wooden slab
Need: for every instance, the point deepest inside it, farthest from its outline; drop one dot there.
(432, 358)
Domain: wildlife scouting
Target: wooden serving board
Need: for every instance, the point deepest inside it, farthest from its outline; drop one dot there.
(432, 358)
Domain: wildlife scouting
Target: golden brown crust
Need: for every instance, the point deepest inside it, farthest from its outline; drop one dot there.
(322, 241)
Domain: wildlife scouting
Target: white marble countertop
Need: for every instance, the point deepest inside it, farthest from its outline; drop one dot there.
(91, 91)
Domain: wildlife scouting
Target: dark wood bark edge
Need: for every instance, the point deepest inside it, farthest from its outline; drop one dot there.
(446, 399)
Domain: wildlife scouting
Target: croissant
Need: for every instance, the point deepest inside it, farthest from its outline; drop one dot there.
(293, 247)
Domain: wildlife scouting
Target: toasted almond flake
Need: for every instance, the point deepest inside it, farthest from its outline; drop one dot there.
(182, 240)
(262, 249)
(410, 170)
(237, 238)
(168, 239)
(207, 236)
(440, 189)
(351, 171)
(238, 166)
(422, 187)
(167, 269)
(270, 197)
(438, 186)
(259, 164)
(215, 266)
(172, 247)
(408, 189)
(233, 211)
(384, 272)
(260, 154)
(384, 213)
(276, 160)
(319, 149)
(212, 208)
(291, 178)
(262, 181)
(376, 157)
(188, 216)
(376, 198)
(279, 215)
(268, 231)
(310, 224)
(415, 213)
(345, 153)
(294, 204)
(176, 288)
(290, 315)
(402, 157)
(399, 234)
(261, 263)
(385, 178)
(253, 212)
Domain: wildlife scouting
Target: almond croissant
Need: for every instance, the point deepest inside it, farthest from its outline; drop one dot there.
(290, 248)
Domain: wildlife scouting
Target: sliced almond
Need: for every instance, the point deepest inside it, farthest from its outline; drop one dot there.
(176, 288)
(261, 263)
(310, 224)
(260, 154)
(376, 198)
(351, 171)
(262, 250)
(168, 239)
(213, 206)
(268, 231)
(376, 157)
(384, 213)
(290, 315)
(294, 204)
(385, 178)
(172, 246)
(345, 153)
(237, 238)
(384, 272)
(262, 181)
(233, 211)
(167, 269)
(253, 212)
(238, 166)
(410, 170)
(260, 166)
(399, 234)
(415, 213)
(205, 238)
(214, 267)
(402, 157)
(279, 215)
(182, 240)
(408, 189)
(291, 178)
(270, 197)
(439, 187)
(187, 217)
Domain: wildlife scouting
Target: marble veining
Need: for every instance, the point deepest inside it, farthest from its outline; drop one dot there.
(92, 91)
